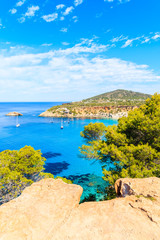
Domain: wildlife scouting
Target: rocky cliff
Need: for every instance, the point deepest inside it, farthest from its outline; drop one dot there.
(50, 210)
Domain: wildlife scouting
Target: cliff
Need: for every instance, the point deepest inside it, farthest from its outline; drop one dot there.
(50, 210)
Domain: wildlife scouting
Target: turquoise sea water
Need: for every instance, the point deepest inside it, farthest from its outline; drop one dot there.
(59, 147)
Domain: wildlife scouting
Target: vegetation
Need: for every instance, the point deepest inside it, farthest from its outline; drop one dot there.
(130, 149)
(118, 98)
(120, 94)
(19, 169)
(93, 131)
(64, 180)
(90, 198)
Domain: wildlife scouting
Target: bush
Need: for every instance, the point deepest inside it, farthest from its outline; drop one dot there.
(19, 169)
(130, 149)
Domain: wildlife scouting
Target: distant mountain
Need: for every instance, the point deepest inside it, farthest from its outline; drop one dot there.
(119, 95)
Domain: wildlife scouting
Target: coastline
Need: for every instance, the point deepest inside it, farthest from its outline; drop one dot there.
(114, 116)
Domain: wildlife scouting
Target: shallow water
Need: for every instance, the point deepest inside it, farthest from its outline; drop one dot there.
(59, 147)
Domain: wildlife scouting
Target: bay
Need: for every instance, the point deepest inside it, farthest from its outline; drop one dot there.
(59, 147)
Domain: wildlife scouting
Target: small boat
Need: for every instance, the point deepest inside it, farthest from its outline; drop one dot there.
(61, 124)
(51, 120)
(17, 124)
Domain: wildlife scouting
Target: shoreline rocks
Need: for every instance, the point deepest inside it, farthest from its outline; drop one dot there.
(115, 116)
(50, 210)
(14, 114)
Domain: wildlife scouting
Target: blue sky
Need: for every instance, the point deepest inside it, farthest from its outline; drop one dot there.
(69, 50)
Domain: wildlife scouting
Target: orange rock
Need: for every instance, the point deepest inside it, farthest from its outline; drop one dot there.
(50, 210)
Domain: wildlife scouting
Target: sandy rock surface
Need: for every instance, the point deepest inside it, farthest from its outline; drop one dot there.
(50, 210)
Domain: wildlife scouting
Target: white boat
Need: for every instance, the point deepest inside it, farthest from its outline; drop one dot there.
(17, 124)
(61, 124)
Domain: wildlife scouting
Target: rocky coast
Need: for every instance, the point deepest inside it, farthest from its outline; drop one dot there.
(88, 112)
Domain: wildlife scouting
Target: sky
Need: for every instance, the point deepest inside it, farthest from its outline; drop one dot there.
(69, 50)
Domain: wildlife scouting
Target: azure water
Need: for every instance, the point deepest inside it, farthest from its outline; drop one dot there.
(59, 147)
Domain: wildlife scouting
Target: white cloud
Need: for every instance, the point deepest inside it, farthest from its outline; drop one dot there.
(156, 36)
(65, 43)
(78, 2)
(46, 44)
(75, 19)
(64, 30)
(49, 74)
(128, 43)
(139, 40)
(21, 20)
(13, 11)
(20, 3)
(118, 39)
(50, 17)
(31, 11)
(123, 1)
(108, 0)
(68, 10)
(60, 6)
(120, 1)
(62, 18)
(146, 40)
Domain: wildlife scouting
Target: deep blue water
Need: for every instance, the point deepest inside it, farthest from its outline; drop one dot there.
(59, 147)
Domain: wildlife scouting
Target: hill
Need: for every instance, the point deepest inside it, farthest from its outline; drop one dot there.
(113, 104)
(119, 95)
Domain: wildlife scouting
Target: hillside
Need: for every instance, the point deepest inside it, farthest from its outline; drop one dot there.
(119, 95)
(113, 104)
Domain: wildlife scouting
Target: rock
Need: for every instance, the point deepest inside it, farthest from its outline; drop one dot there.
(14, 114)
(46, 114)
(50, 210)
(146, 187)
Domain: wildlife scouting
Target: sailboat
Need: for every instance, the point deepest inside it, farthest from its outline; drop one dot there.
(17, 124)
(61, 124)
(51, 120)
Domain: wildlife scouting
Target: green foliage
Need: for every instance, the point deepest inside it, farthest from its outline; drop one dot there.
(132, 148)
(90, 198)
(64, 180)
(93, 131)
(19, 169)
(147, 197)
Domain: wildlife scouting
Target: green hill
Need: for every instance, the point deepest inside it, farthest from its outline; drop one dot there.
(118, 95)
(101, 106)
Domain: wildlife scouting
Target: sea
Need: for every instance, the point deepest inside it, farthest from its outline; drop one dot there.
(59, 146)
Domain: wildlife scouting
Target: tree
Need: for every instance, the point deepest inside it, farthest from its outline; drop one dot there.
(93, 132)
(19, 169)
(130, 149)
